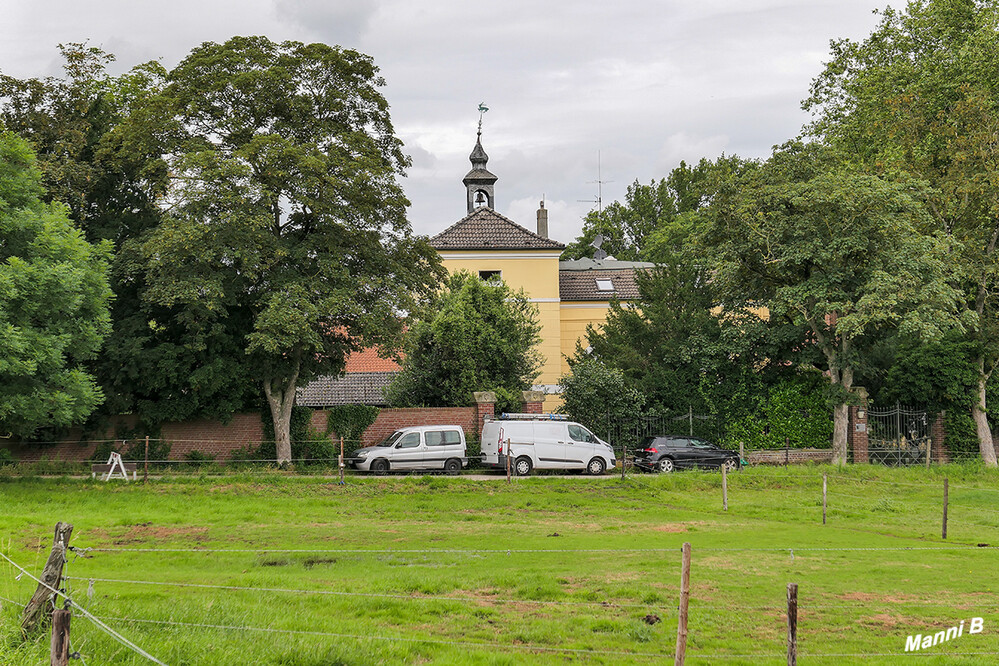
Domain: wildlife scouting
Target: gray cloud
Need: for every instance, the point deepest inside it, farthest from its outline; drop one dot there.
(644, 83)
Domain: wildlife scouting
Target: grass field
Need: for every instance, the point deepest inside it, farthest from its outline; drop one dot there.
(271, 569)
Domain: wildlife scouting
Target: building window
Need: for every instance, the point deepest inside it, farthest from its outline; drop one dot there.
(491, 276)
(605, 285)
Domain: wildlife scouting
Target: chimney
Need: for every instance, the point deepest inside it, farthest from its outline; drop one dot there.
(542, 221)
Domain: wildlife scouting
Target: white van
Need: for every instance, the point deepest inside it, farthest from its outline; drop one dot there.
(421, 447)
(543, 441)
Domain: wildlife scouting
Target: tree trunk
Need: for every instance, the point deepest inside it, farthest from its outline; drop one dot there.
(841, 423)
(981, 418)
(281, 398)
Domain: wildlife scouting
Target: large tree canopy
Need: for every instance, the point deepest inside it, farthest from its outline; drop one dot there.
(99, 143)
(472, 336)
(53, 303)
(285, 211)
(920, 96)
(834, 251)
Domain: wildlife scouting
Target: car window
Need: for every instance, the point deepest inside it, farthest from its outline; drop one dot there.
(581, 434)
(391, 439)
(409, 441)
(442, 437)
(701, 444)
(680, 443)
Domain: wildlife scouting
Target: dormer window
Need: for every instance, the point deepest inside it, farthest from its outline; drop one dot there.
(605, 285)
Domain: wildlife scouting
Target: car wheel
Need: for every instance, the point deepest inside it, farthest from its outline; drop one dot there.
(452, 466)
(379, 466)
(731, 465)
(523, 466)
(596, 467)
(665, 465)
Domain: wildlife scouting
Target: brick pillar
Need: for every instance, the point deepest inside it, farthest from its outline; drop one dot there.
(938, 437)
(534, 402)
(857, 428)
(485, 406)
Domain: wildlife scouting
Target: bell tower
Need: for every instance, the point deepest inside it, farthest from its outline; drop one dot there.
(479, 181)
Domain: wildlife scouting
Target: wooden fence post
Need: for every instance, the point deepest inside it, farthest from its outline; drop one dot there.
(50, 578)
(945, 509)
(724, 489)
(340, 462)
(508, 460)
(792, 624)
(145, 474)
(59, 647)
(681, 626)
(742, 452)
(823, 499)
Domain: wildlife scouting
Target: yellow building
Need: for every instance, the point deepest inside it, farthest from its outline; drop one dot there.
(569, 295)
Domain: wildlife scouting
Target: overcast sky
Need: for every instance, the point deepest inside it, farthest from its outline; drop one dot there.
(642, 84)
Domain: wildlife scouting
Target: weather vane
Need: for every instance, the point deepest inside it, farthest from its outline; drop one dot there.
(482, 109)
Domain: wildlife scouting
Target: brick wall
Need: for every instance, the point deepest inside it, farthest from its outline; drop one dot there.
(213, 437)
(938, 435)
(856, 433)
(221, 439)
(390, 420)
(210, 437)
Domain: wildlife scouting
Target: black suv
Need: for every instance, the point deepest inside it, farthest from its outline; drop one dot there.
(670, 452)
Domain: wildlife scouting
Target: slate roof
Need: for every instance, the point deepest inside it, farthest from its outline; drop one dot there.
(485, 229)
(577, 280)
(356, 388)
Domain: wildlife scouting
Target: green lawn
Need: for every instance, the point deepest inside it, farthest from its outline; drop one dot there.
(270, 569)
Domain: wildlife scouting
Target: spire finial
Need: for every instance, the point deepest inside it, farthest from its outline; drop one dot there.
(482, 109)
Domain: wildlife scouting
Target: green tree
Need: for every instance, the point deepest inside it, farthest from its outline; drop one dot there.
(285, 210)
(627, 227)
(834, 251)
(600, 396)
(920, 96)
(99, 150)
(54, 299)
(74, 124)
(472, 336)
(682, 352)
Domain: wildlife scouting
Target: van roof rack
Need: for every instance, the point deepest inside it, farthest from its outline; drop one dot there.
(513, 416)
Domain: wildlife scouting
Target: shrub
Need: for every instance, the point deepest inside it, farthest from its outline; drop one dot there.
(350, 421)
(794, 411)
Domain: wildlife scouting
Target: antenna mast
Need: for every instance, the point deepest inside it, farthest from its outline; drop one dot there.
(600, 190)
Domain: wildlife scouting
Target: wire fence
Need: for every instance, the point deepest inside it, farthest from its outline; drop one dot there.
(799, 494)
(663, 609)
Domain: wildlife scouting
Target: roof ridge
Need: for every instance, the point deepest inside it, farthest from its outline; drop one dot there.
(464, 234)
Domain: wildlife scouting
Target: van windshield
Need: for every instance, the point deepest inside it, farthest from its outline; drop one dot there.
(391, 439)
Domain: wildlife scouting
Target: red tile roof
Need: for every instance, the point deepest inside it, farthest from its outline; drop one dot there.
(368, 360)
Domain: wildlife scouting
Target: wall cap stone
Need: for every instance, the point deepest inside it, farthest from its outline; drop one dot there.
(533, 396)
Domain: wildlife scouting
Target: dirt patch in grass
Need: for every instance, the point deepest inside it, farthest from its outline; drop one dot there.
(147, 532)
(879, 598)
(677, 528)
(890, 621)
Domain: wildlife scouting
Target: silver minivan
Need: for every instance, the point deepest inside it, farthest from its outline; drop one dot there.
(434, 447)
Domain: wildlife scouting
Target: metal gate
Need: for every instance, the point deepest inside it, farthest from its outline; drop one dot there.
(898, 435)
